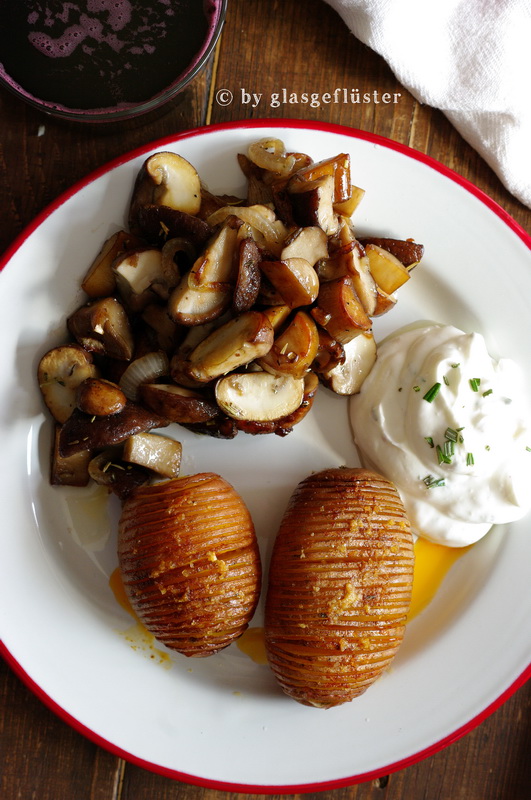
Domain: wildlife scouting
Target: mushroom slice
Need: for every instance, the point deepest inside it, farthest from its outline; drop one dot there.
(384, 302)
(237, 342)
(408, 252)
(360, 354)
(214, 268)
(259, 396)
(191, 307)
(102, 326)
(294, 280)
(310, 243)
(100, 280)
(205, 292)
(339, 310)
(165, 329)
(388, 272)
(284, 425)
(139, 272)
(248, 278)
(109, 469)
(294, 350)
(338, 168)
(158, 224)
(329, 354)
(82, 432)
(356, 263)
(277, 315)
(99, 397)
(70, 471)
(157, 453)
(166, 179)
(59, 373)
(313, 203)
(178, 403)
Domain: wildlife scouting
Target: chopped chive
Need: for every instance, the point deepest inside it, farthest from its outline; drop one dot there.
(454, 366)
(489, 391)
(430, 441)
(487, 447)
(443, 456)
(451, 434)
(469, 460)
(432, 482)
(528, 449)
(445, 379)
(448, 448)
(416, 388)
(474, 384)
(432, 393)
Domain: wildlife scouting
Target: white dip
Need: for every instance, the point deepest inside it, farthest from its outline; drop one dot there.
(461, 462)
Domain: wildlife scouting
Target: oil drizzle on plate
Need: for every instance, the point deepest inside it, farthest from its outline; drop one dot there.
(252, 643)
(137, 635)
(432, 563)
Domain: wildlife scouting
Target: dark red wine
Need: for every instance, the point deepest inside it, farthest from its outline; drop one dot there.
(93, 54)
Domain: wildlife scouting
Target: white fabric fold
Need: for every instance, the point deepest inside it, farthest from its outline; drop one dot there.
(470, 59)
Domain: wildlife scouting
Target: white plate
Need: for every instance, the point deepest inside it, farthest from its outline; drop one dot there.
(222, 721)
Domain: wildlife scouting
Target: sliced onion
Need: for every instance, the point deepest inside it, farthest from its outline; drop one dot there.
(270, 154)
(145, 369)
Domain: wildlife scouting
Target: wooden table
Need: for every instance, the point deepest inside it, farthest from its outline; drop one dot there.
(266, 45)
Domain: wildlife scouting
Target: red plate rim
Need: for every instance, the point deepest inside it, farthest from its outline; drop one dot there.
(19, 670)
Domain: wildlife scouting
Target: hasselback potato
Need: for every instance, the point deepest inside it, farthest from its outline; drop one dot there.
(339, 586)
(189, 562)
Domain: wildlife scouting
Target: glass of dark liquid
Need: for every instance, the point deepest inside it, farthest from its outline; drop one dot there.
(105, 60)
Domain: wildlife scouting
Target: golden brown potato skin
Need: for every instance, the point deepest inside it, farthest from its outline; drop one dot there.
(339, 586)
(189, 562)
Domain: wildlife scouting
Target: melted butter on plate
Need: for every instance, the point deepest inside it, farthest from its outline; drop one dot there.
(137, 635)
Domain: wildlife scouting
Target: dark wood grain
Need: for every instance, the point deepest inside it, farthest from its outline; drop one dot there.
(267, 46)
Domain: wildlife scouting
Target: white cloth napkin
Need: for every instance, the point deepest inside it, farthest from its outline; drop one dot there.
(470, 59)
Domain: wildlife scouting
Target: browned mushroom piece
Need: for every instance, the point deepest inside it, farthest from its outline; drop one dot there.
(329, 354)
(234, 344)
(388, 272)
(83, 432)
(99, 397)
(339, 310)
(310, 243)
(284, 425)
(165, 179)
(165, 330)
(59, 373)
(109, 469)
(205, 292)
(294, 279)
(100, 280)
(102, 326)
(259, 396)
(160, 454)
(143, 274)
(347, 377)
(408, 252)
(248, 278)
(313, 203)
(158, 224)
(71, 470)
(178, 403)
(294, 349)
(352, 256)
(337, 167)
